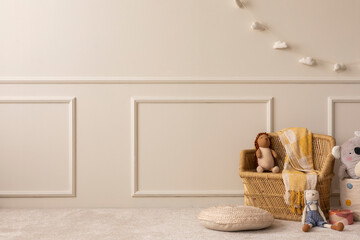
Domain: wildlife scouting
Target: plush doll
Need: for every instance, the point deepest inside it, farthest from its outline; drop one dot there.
(313, 215)
(349, 154)
(264, 155)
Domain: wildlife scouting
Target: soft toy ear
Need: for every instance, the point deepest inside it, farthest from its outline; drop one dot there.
(357, 133)
(336, 152)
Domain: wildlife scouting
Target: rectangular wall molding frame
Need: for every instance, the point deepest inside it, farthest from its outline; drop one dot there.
(70, 101)
(331, 115)
(331, 110)
(135, 101)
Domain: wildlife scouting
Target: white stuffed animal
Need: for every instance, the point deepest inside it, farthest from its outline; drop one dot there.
(313, 215)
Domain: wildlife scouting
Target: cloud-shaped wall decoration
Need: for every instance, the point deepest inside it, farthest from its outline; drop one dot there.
(257, 26)
(339, 67)
(307, 61)
(280, 45)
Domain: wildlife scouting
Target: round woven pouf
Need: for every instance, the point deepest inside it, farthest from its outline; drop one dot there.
(235, 218)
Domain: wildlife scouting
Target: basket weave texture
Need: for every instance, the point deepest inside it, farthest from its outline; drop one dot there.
(235, 218)
(266, 190)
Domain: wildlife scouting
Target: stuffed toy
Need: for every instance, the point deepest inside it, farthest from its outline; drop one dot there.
(313, 215)
(349, 154)
(264, 155)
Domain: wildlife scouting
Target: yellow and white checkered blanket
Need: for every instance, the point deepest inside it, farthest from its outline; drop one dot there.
(298, 174)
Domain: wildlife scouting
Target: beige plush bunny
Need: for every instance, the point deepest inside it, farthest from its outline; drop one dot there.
(313, 215)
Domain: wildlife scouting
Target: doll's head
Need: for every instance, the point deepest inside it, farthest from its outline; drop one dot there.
(262, 140)
(311, 195)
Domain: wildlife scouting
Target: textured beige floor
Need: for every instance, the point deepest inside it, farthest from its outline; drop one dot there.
(109, 224)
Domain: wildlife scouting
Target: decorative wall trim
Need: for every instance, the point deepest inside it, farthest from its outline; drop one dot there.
(135, 192)
(72, 147)
(178, 80)
(331, 110)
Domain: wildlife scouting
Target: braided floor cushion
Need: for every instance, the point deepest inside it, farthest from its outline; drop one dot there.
(235, 218)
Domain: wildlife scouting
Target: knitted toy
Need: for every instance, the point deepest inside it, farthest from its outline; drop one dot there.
(264, 155)
(313, 215)
(349, 154)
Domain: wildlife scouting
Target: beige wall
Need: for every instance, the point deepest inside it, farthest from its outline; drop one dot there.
(157, 38)
(188, 138)
(130, 141)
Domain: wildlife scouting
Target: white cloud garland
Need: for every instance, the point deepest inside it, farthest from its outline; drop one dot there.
(257, 26)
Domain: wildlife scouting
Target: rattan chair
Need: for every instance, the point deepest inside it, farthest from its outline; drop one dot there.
(266, 190)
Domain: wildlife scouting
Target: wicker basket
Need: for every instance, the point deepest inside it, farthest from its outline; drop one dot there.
(266, 190)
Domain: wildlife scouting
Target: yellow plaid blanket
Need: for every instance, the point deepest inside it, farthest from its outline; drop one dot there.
(298, 174)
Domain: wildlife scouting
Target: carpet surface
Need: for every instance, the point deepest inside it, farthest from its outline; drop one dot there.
(147, 223)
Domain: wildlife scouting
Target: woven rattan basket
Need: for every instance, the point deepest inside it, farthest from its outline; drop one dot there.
(266, 190)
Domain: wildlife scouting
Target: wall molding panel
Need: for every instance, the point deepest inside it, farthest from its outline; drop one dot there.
(70, 102)
(135, 101)
(331, 110)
